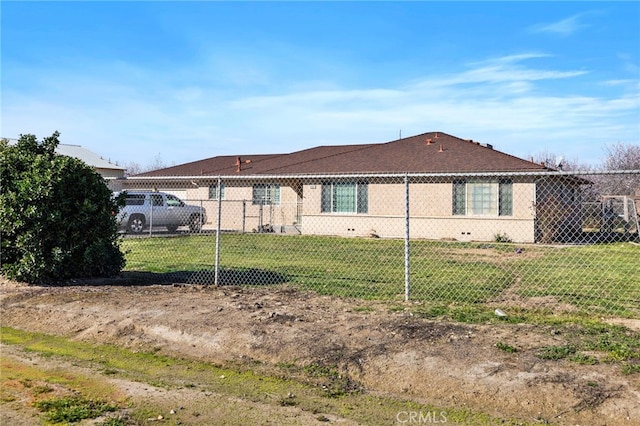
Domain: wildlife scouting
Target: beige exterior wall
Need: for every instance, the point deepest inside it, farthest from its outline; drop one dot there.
(114, 184)
(113, 178)
(240, 214)
(430, 208)
(110, 173)
(432, 228)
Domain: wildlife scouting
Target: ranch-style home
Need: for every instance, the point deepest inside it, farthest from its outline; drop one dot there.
(457, 189)
(108, 170)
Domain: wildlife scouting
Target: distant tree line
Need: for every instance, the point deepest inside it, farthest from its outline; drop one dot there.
(619, 156)
(134, 168)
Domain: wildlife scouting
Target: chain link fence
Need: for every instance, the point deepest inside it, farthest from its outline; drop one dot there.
(532, 241)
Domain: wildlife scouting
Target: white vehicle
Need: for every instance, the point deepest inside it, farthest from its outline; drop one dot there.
(150, 209)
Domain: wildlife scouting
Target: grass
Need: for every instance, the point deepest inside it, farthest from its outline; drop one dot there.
(336, 395)
(582, 333)
(61, 396)
(73, 409)
(556, 352)
(506, 348)
(449, 280)
(596, 278)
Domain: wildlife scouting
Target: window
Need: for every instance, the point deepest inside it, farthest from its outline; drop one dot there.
(172, 200)
(266, 193)
(156, 200)
(459, 198)
(483, 198)
(213, 192)
(344, 197)
(134, 200)
(505, 202)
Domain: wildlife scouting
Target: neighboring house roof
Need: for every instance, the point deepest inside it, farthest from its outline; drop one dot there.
(434, 152)
(76, 151)
(214, 166)
(90, 158)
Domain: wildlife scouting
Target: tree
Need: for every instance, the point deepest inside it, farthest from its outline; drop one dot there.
(158, 163)
(56, 215)
(620, 157)
(558, 161)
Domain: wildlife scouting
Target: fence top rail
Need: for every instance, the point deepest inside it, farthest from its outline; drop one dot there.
(386, 175)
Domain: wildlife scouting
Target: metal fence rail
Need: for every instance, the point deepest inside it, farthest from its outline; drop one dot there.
(543, 240)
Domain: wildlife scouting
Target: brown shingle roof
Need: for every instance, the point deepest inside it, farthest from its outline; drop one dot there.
(214, 166)
(434, 152)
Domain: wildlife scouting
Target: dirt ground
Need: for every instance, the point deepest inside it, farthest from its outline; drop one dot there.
(385, 351)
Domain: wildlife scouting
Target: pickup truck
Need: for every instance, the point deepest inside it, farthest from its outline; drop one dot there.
(150, 209)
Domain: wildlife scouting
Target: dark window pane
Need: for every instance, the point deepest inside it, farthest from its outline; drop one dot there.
(459, 199)
(506, 198)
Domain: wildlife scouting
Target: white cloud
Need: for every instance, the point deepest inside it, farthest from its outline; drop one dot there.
(564, 27)
(499, 101)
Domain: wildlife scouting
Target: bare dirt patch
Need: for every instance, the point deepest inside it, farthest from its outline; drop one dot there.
(378, 350)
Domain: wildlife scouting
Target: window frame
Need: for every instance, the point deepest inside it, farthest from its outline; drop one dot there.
(505, 197)
(482, 198)
(157, 200)
(270, 196)
(218, 192)
(330, 198)
(135, 199)
(173, 201)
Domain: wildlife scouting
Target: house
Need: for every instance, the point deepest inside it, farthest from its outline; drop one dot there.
(457, 189)
(109, 171)
(105, 168)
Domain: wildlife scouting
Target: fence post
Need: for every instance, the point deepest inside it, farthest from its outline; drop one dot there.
(202, 218)
(407, 269)
(217, 266)
(244, 215)
(151, 217)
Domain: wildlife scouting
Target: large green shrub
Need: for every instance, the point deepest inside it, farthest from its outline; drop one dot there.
(56, 215)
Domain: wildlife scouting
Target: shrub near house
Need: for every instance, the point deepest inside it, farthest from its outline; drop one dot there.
(56, 215)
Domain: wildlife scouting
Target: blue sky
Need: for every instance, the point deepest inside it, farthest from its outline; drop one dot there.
(182, 81)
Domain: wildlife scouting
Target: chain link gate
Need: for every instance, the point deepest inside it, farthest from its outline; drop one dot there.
(530, 240)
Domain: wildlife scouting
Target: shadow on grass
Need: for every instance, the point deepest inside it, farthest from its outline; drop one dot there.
(603, 237)
(252, 276)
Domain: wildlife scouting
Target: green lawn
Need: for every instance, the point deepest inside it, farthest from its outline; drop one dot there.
(604, 278)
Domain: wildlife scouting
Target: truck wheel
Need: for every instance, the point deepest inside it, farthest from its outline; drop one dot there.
(172, 228)
(136, 224)
(195, 223)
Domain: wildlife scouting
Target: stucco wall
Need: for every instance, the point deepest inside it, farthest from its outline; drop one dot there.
(430, 208)
(240, 214)
(110, 173)
(434, 228)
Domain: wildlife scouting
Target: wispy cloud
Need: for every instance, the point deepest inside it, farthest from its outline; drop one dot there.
(564, 27)
(130, 121)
